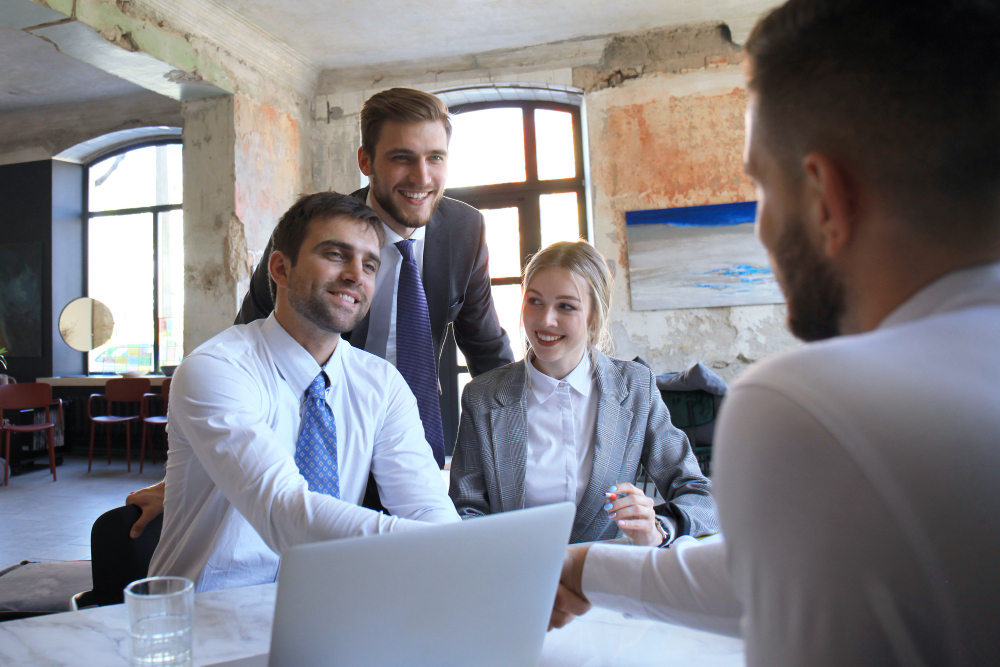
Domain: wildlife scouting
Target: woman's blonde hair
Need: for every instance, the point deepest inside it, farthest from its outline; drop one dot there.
(581, 258)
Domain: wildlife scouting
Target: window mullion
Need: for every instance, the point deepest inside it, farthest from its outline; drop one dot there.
(530, 152)
(156, 291)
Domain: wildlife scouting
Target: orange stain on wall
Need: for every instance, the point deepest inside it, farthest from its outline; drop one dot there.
(671, 152)
(267, 164)
(679, 151)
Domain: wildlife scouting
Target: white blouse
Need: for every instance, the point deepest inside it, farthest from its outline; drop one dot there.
(562, 420)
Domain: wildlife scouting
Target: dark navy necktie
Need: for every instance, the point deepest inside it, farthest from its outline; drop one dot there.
(316, 449)
(415, 348)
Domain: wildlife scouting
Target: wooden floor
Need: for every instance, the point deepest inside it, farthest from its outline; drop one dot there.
(45, 520)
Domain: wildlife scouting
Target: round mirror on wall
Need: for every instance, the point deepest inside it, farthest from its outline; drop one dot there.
(86, 323)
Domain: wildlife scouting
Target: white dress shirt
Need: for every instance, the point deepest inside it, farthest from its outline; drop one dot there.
(382, 320)
(562, 418)
(235, 498)
(857, 484)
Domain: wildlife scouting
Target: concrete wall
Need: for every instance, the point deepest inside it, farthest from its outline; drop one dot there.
(664, 112)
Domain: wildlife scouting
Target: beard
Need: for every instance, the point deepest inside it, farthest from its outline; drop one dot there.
(814, 291)
(383, 195)
(314, 305)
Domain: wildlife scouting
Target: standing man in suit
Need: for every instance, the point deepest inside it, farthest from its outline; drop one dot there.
(404, 153)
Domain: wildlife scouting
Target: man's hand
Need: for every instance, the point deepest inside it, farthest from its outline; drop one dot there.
(570, 600)
(150, 501)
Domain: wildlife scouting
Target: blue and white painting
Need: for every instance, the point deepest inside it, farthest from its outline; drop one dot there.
(698, 257)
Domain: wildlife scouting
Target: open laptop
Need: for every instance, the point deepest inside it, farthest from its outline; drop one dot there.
(478, 592)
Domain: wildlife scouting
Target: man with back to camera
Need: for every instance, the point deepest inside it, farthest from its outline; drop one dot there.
(857, 477)
(404, 152)
(275, 425)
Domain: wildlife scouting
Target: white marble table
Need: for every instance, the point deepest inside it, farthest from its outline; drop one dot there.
(237, 623)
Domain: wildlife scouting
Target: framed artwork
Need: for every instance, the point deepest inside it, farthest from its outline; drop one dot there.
(698, 257)
(21, 299)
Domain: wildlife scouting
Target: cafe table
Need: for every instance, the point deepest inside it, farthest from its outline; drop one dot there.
(236, 623)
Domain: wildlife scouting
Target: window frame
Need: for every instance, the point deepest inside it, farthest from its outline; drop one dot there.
(525, 196)
(155, 211)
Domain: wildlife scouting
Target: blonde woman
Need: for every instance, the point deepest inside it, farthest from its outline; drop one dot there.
(570, 423)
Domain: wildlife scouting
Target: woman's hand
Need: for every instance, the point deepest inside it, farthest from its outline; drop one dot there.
(632, 510)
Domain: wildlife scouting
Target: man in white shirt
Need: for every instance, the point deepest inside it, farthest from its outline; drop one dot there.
(857, 477)
(405, 135)
(235, 494)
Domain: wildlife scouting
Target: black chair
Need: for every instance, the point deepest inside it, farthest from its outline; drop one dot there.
(116, 559)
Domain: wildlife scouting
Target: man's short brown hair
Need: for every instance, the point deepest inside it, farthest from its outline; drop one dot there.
(906, 92)
(403, 105)
(293, 226)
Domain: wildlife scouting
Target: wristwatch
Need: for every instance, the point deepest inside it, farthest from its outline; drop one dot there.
(662, 531)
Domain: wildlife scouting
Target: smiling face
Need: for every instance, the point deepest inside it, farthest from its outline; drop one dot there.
(407, 172)
(556, 316)
(812, 287)
(330, 286)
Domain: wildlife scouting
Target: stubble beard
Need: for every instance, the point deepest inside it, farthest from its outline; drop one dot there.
(313, 306)
(384, 198)
(814, 291)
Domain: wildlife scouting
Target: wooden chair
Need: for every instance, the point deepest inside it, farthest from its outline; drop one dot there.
(118, 390)
(27, 396)
(154, 420)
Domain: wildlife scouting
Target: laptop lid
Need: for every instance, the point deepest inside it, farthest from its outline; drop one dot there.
(476, 592)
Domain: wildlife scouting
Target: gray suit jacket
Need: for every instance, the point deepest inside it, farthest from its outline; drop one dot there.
(456, 280)
(633, 428)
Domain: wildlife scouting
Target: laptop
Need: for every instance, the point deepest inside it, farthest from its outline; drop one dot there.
(478, 592)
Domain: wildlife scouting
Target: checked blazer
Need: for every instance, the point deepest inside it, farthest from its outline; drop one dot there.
(633, 429)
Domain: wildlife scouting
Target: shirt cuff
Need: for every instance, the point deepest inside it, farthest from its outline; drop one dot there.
(612, 577)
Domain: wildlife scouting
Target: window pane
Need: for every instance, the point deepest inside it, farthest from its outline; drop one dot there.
(170, 319)
(487, 147)
(560, 217)
(150, 176)
(120, 273)
(503, 239)
(507, 299)
(554, 140)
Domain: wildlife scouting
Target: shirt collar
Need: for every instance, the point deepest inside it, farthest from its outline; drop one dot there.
(391, 237)
(580, 379)
(294, 362)
(958, 289)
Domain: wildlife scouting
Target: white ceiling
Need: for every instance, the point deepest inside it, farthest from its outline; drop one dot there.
(338, 34)
(349, 33)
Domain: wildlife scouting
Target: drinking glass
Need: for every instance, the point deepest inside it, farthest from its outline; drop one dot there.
(160, 618)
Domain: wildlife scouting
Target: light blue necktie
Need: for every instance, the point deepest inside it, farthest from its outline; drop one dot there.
(316, 449)
(415, 348)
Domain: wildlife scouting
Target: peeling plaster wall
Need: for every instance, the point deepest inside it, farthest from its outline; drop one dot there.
(214, 244)
(244, 153)
(662, 141)
(269, 171)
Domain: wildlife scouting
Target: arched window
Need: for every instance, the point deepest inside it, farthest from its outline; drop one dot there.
(135, 255)
(521, 164)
